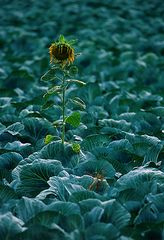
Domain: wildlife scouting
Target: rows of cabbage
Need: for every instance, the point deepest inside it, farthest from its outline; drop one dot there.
(114, 185)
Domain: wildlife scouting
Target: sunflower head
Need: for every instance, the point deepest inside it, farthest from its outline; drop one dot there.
(62, 51)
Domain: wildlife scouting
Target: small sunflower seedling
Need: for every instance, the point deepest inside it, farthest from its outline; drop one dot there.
(62, 56)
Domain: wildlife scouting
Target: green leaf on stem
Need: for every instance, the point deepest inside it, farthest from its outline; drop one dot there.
(78, 102)
(52, 91)
(73, 70)
(73, 119)
(80, 83)
(53, 74)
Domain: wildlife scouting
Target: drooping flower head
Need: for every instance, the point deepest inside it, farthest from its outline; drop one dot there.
(62, 51)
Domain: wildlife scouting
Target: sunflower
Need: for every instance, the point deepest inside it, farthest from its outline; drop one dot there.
(62, 51)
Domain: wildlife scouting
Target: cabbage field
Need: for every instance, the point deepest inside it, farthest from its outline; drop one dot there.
(93, 167)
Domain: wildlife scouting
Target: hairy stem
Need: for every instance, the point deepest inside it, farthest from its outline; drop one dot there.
(63, 110)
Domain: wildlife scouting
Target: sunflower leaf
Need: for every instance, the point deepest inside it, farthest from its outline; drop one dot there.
(78, 102)
(73, 119)
(80, 83)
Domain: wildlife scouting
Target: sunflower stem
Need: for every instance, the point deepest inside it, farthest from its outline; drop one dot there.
(63, 110)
